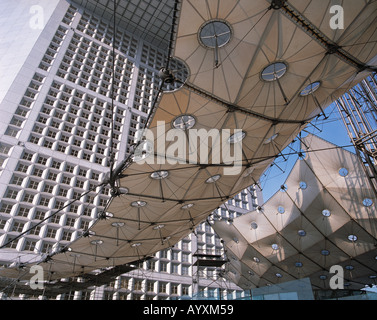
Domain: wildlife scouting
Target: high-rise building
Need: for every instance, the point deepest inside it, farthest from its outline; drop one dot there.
(73, 93)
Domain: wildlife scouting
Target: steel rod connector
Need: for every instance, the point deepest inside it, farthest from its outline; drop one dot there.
(166, 75)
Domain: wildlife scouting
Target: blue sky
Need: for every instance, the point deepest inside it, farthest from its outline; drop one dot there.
(331, 129)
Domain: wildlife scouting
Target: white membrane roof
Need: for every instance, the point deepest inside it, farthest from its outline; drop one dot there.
(324, 216)
(267, 68)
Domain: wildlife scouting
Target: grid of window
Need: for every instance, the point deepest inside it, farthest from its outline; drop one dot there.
(4, 153)
(146, 89)
(78, 124)
(52, 51)
(89, 64)
(39, 187)
(241, 200)
(24, 106)
(104, 33)
(70, 15)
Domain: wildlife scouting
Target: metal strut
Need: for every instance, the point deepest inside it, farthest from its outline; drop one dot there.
(359, 115)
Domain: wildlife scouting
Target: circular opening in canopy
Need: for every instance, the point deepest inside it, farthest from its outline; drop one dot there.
(254, 225)
(275, 246)
(96, 242)
(159, 175)
(279, 275)
(309, 89)
(303, 185)
(349, 267)
(237, 137)
(367, 202)
(160, 226)
(343, 172)
(274, 71)
(117, 224)
(352, 238)
(325, 252)
(184, 122)
(326, 213)
(187, 206)
(138, 204)
(138, 244)
(213, 178)
(301, 233)
(323, 277)
(281, 209)
(270, 139)
(256, 259)
(215, 34)
(298, 264)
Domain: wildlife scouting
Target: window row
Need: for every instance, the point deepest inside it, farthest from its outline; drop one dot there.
(91, 65)
(151, 286)
(52, 51)
(47, 245)
(70, 15)
(24, 106)
(103, 32)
